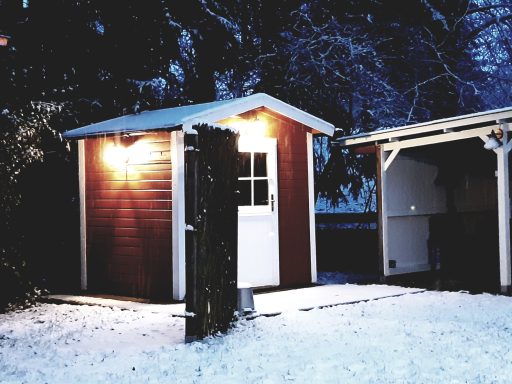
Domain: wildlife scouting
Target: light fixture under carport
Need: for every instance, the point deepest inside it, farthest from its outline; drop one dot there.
(494, 140)
(4, 40)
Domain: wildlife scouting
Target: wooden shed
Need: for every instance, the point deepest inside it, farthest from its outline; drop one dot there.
(444, 196)
(131, 172)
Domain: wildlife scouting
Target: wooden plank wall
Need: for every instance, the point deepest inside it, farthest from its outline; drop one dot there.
(294, 242)
(128, 210)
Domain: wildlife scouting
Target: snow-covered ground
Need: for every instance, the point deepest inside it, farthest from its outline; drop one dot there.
(430, 337)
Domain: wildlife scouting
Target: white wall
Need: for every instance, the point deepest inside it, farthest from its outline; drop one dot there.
(410, 197)
(407, 243)
(410, 188)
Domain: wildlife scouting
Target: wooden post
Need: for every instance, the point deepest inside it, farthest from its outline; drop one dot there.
(378, 176)
(504, 215)
(83, 222)
(211, 214)
(382, 213)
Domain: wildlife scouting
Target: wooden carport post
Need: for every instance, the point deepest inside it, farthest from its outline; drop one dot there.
(384, 160)
(382, 156)
(504, 214)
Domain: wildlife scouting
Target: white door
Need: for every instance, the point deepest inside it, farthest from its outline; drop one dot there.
(258, 240)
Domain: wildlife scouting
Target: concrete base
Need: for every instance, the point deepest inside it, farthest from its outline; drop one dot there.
(506, 290)
(245, 299)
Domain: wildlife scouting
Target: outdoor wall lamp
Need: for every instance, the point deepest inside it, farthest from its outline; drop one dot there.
(126, 150)
(115, 155)
(494, 140)
(4, 40)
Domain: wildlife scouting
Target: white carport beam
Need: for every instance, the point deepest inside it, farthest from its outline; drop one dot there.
(504, 216)
(390, 158)
(508, 146)
(440, 138)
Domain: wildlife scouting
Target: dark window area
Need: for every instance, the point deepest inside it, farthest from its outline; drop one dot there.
(260, 192)
(244, 186)
(244, 164)
(260, 164)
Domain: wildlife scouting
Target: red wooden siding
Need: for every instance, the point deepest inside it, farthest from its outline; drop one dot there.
(292, 163)
(128, 213)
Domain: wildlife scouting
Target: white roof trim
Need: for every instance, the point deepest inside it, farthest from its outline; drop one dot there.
(204, 113)
(258, 100)
(490, 117)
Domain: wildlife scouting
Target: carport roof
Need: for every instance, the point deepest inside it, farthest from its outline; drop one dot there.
(458, 123)
(175, 118)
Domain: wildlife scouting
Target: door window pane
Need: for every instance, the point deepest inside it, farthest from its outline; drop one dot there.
(260, 164)
(244, 164)
(244, 187)
(260, 192)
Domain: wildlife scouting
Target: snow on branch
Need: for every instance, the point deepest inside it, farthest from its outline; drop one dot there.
(232, 27)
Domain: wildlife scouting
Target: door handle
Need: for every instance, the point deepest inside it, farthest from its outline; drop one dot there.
(272, 201)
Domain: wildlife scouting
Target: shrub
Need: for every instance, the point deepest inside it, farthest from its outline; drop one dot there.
(22, 133)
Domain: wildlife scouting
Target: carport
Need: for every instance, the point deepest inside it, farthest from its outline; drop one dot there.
(443, 199)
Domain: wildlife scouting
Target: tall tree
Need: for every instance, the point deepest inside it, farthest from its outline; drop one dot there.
(489, 39)
(378, 64)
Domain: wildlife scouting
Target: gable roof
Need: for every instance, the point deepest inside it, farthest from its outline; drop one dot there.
(463, 122)
(198, 113)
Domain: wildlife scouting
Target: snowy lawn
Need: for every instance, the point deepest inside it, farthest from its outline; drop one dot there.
(429, 337)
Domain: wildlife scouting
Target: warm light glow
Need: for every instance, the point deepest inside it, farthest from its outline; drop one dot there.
(249, 128)
(119, 156)
(139, 153)
(115, 156)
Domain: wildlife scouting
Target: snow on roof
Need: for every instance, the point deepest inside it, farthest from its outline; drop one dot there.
(430, 126)
(144, 121)
(198, 113)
